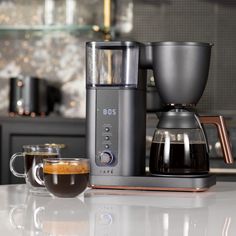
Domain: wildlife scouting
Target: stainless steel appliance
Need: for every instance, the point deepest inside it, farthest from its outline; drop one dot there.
(28, 96)
(116, 116)
(32, 96)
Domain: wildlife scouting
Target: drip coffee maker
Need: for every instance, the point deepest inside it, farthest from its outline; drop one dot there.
(179, 144)
(116, 116)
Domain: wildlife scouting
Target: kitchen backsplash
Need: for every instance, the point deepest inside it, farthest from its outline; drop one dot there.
(60, 60)
(57, 55)
(50, 12)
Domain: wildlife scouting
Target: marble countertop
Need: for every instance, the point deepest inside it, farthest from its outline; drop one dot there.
(120, 213)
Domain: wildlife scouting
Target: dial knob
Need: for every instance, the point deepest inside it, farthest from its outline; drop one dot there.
(106, 157)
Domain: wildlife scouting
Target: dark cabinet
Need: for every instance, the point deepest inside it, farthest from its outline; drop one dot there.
(18, 131)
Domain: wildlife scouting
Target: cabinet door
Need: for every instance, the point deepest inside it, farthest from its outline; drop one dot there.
(15, 134)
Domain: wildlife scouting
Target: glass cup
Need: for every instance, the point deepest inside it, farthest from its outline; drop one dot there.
(25, 217)
(63, 177)
(50, 216)
(32, 155)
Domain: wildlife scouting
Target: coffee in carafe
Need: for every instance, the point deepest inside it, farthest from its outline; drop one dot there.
(178, 156)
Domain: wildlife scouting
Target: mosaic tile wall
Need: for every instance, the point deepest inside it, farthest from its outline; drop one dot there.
(58, 57)
(60, 60)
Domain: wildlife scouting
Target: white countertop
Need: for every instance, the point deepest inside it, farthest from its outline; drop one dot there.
(120, 213)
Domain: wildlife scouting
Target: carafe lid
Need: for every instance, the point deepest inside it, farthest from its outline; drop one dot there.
(178, 119)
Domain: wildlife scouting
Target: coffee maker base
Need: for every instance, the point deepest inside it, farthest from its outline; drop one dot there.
(193, 183)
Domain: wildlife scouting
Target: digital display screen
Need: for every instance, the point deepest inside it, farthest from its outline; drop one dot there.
(109, 112)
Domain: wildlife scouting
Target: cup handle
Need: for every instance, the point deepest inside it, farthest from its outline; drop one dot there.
(219, 122)
(11, 164)
(36, 174)
(37, 222)
(12, 217)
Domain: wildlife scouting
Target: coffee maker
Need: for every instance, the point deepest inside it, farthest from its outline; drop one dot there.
(116, 74)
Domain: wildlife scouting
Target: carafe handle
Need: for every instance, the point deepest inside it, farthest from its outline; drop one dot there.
(219, 122)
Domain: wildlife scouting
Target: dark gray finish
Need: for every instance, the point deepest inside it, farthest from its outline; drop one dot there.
(119, 108)
(181, 119)
(31, 92)
(181, 70)
(178, 65)
(146, 56)
(173, 182)
(127, 130)
(18, 131)
(107, 123)
(154, 102)
(205, 21)
(175, 119)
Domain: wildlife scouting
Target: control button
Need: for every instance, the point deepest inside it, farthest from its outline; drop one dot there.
(107, 146)
(106, 158)
(107, 129)
(107, 138)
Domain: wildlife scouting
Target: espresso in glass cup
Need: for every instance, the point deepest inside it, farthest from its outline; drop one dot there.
(33, 155)
(63, 177)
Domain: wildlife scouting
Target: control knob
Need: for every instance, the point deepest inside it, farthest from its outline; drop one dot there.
(106, 158)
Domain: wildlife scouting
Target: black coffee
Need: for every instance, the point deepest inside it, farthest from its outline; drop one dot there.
(65, 180)
(193, 159)
(32, 159)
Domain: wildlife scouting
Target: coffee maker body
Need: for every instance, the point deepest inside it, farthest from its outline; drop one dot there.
(116, 116)
(116, 109)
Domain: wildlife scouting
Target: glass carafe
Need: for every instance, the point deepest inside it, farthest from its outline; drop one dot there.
(179, 151)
